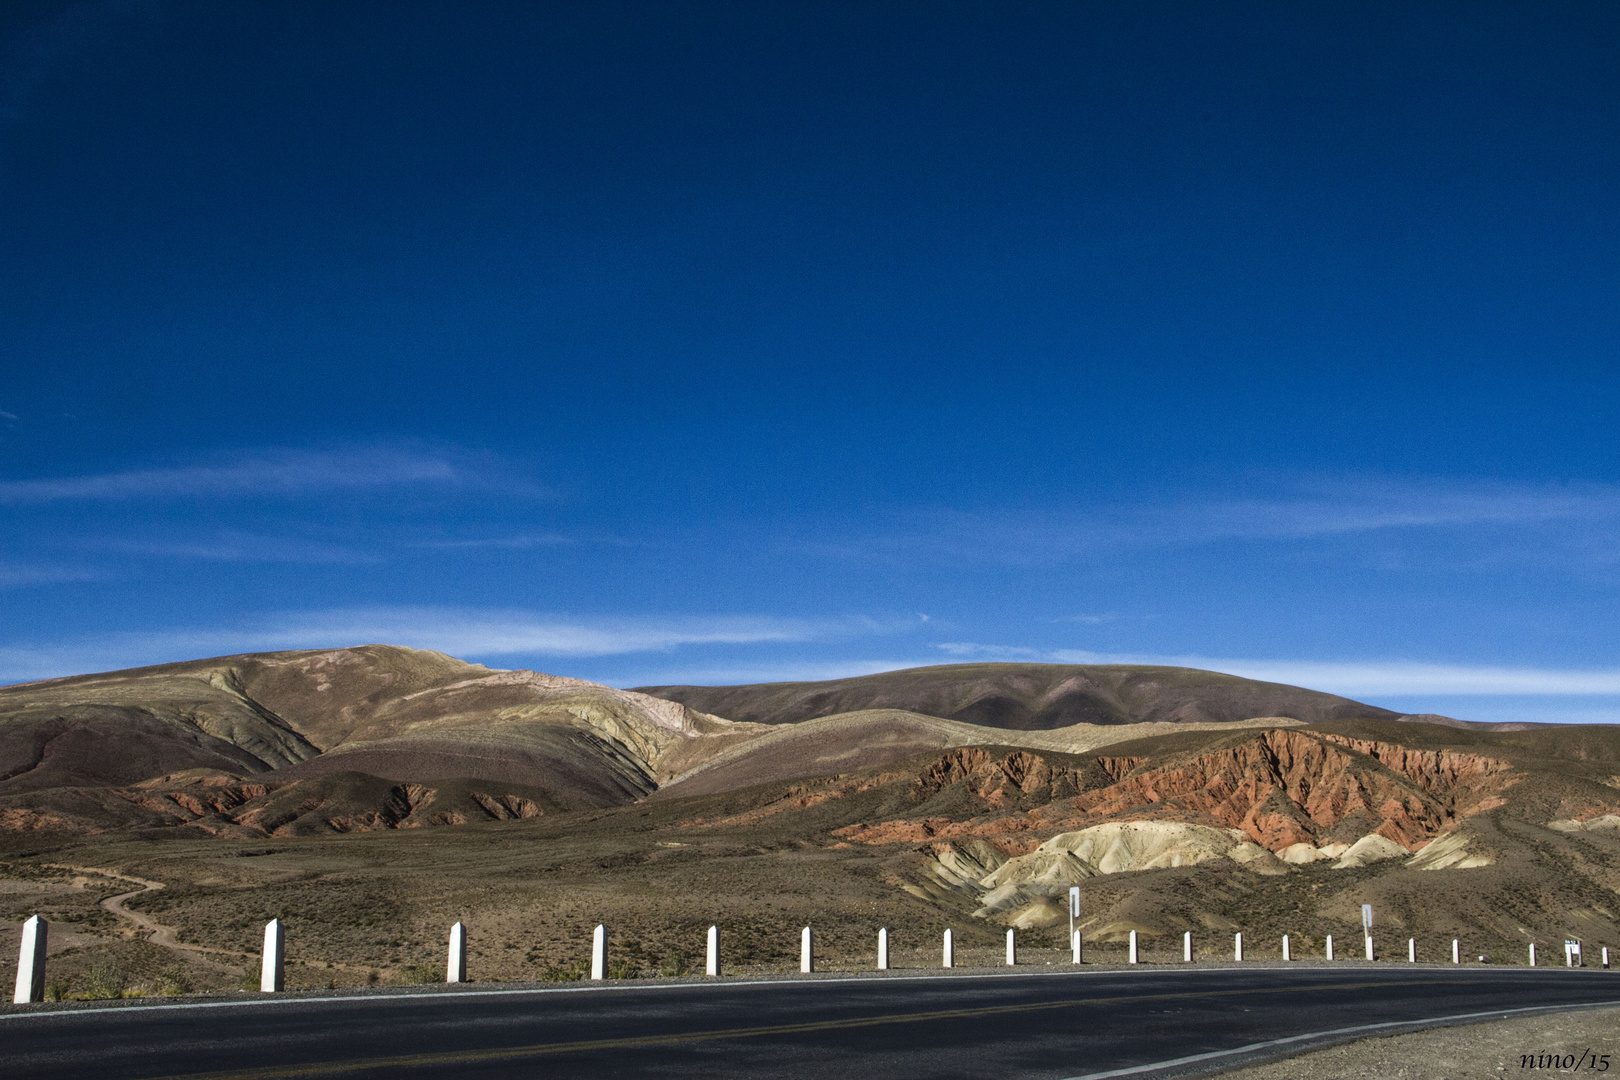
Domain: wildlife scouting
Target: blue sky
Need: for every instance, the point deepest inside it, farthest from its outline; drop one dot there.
(661, 342)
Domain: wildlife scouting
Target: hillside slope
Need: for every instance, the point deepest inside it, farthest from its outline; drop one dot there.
(207, 741)
(1025, 697)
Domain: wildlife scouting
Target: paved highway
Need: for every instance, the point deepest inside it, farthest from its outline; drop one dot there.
(1047, 1025)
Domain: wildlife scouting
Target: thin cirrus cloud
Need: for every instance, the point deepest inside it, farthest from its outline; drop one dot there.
(20, 576)
(459, 632)
(265, 473)
(1353, 678)
(1296, 511)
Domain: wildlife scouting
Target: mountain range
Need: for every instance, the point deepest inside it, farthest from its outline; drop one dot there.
(980, 789)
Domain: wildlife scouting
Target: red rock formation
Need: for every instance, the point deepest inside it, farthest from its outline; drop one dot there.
(1280, 787)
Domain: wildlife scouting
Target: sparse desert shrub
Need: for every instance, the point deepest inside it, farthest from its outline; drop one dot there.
(569, 973)
(106, 980)
(418, 974)
(373, 978)
(623, 969)
(56, 990)
(250, 980)
(675, 963)
(173, 980)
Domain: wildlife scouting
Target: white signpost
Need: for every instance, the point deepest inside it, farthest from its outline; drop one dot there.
(1074, 908)
(1572, 953)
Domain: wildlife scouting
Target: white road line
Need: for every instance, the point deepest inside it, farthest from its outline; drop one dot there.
(1252, 1047)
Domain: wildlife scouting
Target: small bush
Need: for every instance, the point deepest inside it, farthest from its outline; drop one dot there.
(173, 980)
(676, 964)
(250, 980)
(623, 969)
(419, 974)
(373, 978)
(570, 973)
(106, 980)
(56, 990)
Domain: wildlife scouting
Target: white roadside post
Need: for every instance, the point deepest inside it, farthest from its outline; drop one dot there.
(271, 977)
(1074, 914)
(950, 951)
(1532, 954)
(1237, 946)
(599, 953)
(1286, 955)
(1366, 927)
(456, 970)
(807, 952)
(1133, 946)
(1186, 947)
(1411, 950)
(883, 949)
(31, 961)
(1012, 948)
(1077, 942)
(712, 964)
(1605, 956)
(1330, 946)
(1456, 951)
(1369, 947)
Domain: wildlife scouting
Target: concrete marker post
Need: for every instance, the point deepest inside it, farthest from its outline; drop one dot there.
(1605, 956)
(1286, 955)
(807, 951)
(272, 976)
(1532, 954)
(1369, 947)
(1456, 951)
(711, 966)
(1012, 948)
(1077, 942)
(1330, 946)
(31, 961)
(1133, 946)
(1237, 946)
(599, 953)
(950, 950)
(883, 949)
(1411, 950)
(1186, 947)
(456, 970)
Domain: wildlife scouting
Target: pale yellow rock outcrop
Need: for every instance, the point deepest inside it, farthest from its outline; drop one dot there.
(1369, 849)
(1448, 852)
(1145, 845)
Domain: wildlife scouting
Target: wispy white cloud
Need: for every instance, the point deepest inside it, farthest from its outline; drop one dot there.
(264, 473)
(17, 576)
(1350, 678)
(1295, 510)
(475, 633)
(233, 546)
(522, 542)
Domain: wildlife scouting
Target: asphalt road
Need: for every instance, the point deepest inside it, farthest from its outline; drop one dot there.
(1040, 1025)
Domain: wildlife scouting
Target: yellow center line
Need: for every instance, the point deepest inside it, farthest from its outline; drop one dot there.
(464, 1057)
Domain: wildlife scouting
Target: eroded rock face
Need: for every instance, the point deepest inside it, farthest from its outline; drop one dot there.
(1293, 797)
(1285, 788)
(994, 779)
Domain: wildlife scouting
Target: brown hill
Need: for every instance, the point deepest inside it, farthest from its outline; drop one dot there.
(1027, 697)
(73, 752)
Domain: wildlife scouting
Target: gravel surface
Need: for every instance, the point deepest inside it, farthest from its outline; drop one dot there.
(1500, 1048)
